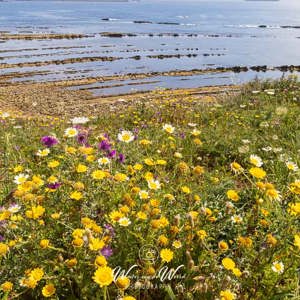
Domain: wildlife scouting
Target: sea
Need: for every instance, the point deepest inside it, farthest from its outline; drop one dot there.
(158, 38)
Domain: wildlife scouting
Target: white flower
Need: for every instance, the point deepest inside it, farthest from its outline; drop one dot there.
(246, 141)
(292, 166)
(5, 115)
(168, 128)
(195, 132)
(256, 160)
(21, 178)
(153, 184)
(79, 120)
(126, 136)
(71, 132)
(192, 124)
(236, 219)
(43, 152)
(278, 267)
(267, 149)
(14, 208)
(103, 161)
(124, 222)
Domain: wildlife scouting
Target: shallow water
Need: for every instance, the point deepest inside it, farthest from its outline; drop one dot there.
(204, 34)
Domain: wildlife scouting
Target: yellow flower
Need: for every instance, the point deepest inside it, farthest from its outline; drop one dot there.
(273, 194)
(103, 276)
(198, 170)
(223, 246)
(76, 195)
(258, 173)
(161, 162)
(35, 212)
(232, 195)
(227, 295)
(245, 242)
(236, 167)
(295, 187)
(166, 255)
(98, 175)
(115, 216)
(228, 263)
(123, 282)
(7, 286)
(70, 150)
(37, 274)
(100, 261)
(145, 142)
(78, 242)
(44, 244)
(141, 215)
(18, 169)
(202, 234)
(79, 186)
(128, 298)
(120, 177)
(297, 240)
(271, 240)
(96, 244)
(81, 168)
(138, 167)
(71, 262)
(163, 240)
(48, 290)
(53, 164)
(149, 162)
(177, 244)
(294, 209)
(237, 272)
(185, 190)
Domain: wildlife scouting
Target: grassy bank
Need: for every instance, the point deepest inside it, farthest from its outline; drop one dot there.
(209, 189)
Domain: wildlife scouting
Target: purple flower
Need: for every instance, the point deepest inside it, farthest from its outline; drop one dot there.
(121, 158)
(104, 145)
(112, 154)
(82, 138)
(106, 251)
(49, 141)
(110, 229)
(54, 186)
(1, 238)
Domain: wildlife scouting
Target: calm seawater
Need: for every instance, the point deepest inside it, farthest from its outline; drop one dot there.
(208, 34)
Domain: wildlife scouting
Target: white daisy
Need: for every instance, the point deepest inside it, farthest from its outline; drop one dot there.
(256, 160)
(43, 152)
(278, 267)
(71, 132)
(126, 136)
(21, 178)
(103, 161)
(153, 184)
(168, 128)
(124, 222)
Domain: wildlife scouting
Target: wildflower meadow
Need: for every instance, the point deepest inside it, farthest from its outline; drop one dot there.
(172, 198)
